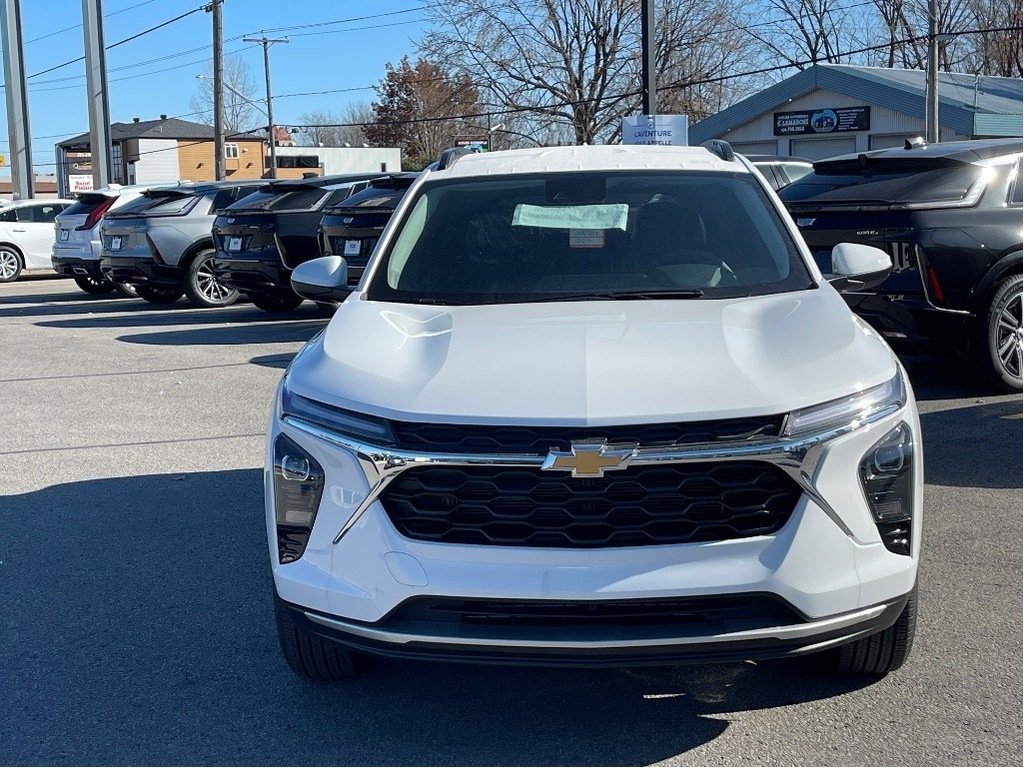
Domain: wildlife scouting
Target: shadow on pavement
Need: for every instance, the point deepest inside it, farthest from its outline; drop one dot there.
(273, 361)
(138, 628)
(976, 446)
(139, 314)
(235, 333)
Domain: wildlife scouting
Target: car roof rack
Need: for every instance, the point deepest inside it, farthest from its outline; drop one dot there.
(450, 156)
(721, 148)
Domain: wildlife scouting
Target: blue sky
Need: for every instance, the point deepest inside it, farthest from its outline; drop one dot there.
(346, 55)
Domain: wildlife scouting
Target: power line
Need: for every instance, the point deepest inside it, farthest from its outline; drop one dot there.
(627, 94)
(136, 36)
(78, 26)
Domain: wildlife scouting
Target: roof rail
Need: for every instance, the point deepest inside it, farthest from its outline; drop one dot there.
(914, 143)
(721, 148)
(450, 156)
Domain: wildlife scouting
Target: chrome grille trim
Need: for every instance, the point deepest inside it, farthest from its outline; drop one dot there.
(798, 457)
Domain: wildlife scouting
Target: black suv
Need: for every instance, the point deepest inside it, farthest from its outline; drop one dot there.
(950, 217)
(352, 228)
(263, 237)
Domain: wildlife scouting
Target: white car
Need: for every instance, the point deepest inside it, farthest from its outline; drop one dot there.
(75, 237)
(594, 405)
(26, 236)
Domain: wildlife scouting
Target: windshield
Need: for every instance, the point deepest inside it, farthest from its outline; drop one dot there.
(85, 204)
(373, 197)
(571, 236)
(289, 199)
(895, 181)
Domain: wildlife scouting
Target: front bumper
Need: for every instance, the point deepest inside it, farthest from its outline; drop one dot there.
(257, 276)
(140, 271)
(828, 563)
(706, 643)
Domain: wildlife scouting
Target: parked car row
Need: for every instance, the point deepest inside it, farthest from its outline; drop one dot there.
(949, 215)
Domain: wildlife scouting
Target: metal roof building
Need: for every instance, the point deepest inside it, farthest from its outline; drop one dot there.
(833, 109)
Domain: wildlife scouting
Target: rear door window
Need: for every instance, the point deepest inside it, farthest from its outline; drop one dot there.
(38, 214)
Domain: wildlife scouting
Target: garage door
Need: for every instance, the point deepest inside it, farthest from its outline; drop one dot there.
(757, 147)
(820, 148)
(888, 142)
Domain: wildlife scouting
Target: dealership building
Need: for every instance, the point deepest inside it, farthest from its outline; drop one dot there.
(834, 109)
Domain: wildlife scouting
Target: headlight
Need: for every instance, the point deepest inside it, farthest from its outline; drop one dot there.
(858, 408)
(887, 475)
(298, 486)
(356, 425)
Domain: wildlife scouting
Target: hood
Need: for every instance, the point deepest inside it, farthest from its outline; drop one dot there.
(592, 363)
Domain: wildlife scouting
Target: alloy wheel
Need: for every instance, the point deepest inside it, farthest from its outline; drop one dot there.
(10, 265)
(209, 286)
(1010, 336)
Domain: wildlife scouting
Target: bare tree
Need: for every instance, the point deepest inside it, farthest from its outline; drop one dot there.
(573, 65)
(994, 52)
(803, 32)
(331, 129)
(240, 101)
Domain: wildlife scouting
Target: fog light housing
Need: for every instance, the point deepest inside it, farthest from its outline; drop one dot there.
(887, 476)
(298, 486)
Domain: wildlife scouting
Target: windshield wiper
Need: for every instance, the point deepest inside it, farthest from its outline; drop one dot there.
(657, 293)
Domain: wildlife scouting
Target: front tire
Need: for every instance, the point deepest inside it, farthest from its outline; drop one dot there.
(310, 656)
(10, 264)
(93, 286)
(155, 295)
(885, 651)
(275, 302)
(1001, 336)
(202, 286)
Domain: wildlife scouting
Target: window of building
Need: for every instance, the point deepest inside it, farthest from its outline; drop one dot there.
(116, 170)
(231, 151)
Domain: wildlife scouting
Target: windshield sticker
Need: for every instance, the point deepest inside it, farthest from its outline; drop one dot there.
(586, 238)
(611, 216)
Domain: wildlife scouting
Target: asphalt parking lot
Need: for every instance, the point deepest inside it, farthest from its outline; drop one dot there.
(136, 621)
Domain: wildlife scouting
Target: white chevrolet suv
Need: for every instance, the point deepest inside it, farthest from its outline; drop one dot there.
(594, 405)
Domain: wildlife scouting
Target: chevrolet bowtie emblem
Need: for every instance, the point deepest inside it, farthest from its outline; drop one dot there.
(590, 458)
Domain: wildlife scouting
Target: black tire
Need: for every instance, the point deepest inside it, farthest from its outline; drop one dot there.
(885, 651)
(94, 286)
(275, 302)
(202, 286)
(155, 295)
(310, 656)
(127, 290)
(11, 264)
(1000, 336)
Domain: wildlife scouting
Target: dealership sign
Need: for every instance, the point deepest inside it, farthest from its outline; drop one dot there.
(666, 130)
(829, 120)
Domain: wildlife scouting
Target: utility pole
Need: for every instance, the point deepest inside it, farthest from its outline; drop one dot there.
(648, 87)
(17, 100)
(266, 43)
(96, 85)
(931, 115)
(217, 7)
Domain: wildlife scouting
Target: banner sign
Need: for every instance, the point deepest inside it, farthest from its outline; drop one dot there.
(665, 130)
(834, 120)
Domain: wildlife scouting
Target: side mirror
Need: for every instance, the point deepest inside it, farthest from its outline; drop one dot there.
(324, 279)
(857, 267)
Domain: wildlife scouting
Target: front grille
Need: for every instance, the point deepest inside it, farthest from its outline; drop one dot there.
(638, 506)
(704, 614)
(472, 438)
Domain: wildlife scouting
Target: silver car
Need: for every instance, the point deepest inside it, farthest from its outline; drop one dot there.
(161, 243)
